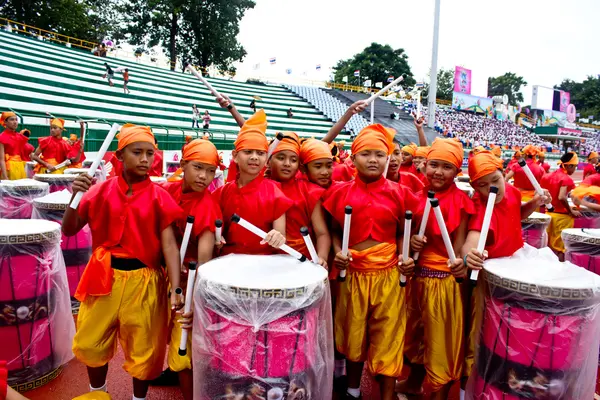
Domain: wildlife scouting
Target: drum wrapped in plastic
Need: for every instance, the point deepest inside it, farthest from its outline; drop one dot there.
(57, 182)
(466, 188)
(36, 325)
(534, 229)
(100, 174)
(262, 328)
(588, 219)
(583, 248)
(77, 249)
(29, 168)
(16, 197)
(540, 329)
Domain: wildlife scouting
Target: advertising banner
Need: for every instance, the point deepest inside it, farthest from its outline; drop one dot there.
(462, 80)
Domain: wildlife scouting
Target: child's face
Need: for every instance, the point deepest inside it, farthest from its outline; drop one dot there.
(12, 123)
(55, 131)
(483, 184)
(137, 158)
(407, 158)
(319, 172)
(197, 176)
(395, 160)
(440, 174)
(250, 162)
(418, 162)
(284, 165)
(570, 168)
(370, 164)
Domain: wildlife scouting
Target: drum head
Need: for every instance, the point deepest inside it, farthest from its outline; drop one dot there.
(581, 235)
(23, 186)
(537, 218)
(54, 201)
(51, 178)
(76, 171)
(27, 231)
(158, 179)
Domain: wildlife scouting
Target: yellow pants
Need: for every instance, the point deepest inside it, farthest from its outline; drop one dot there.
(94, 396)
(557, 224)
(135, 313)
(370, 321)
(176, 362)
(435, 329)
(15, 168)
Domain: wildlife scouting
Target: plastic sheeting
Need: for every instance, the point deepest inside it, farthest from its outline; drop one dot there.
(534, 229)
(583, 248)
(540, 330)
(262, 329)
(36, 325)
(57, 182)
(77, 249)
(16, 197)
(100, 174)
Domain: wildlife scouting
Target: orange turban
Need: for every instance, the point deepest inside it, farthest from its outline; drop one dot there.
(73, 137)
(313, 149)
(131, 133)
(497, 151)
(593, 154)
(374, 137)
(290, 142)
(202, 151)
(530, 150)
(478, 149)
(188, 138)
(252, 134)
(410, 149)
(58, 122)
(446, 150)
(517, 154)
(482, 164)
(6, 115)
(422, 151)
(573, 161)
(25, 132)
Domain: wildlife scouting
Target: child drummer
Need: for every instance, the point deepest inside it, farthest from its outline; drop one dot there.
(122, 291)
(52, 150)
(12, 145)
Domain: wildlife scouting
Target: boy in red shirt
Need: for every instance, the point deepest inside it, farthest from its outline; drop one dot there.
(408, 152)
(542, 161)
(369, 321)
(12, 145)
(28, 149)
(123, 291)
(590, 167)
(394, 174)
(52, 150)
(76, 151)
(521, 181)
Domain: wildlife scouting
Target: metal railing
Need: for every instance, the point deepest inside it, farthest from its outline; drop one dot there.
(49, 35)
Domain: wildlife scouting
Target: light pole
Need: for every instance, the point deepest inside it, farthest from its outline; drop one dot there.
(434, 56)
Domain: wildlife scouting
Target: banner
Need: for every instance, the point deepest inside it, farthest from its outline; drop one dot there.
(565, 100)
(367, 83)
(345, 79)
(272, 60)
(462, 80)
(466, 102)
(357, 72)
(552, 118)
(379, 85)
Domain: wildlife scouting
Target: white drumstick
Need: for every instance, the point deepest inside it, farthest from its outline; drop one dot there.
(92, 171)
(189, 293)
(262, 234)
(445, 236)
(278, 138)
(387, 166)
(405, 242)
(345, 238)
(309, 244)
(198, 75)
(218, 230)
(487, 218)
(534, 182)
(430, 195)
(186, 237)
(385, 89)
(63, 164)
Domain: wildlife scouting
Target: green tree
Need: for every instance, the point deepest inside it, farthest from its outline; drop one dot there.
(508, 84)
(584, 95)
(377, 62)
(445, 84)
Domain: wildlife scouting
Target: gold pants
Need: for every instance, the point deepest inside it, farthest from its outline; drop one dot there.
(557, 224)
(15, 168)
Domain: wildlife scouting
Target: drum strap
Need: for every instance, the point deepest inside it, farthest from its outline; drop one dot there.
(126, 264)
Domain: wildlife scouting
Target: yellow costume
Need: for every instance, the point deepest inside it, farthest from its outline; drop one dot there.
(558, 223)
(15, 167)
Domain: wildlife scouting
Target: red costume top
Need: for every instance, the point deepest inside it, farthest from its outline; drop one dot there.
(54, 148)
(157, 164)
(545, 166)
(553, 182)
(504, 236)
(344, 172)
(74, 151)
(260, 202)
(3, 379)
(28, 149)
(592, 180)
(588, 170)
(13, 143)
(409, 168)
(411, 181)
(117, 166)
(521, 180)
(377, 208)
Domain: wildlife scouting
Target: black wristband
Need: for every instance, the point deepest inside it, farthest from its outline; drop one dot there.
(229, 107)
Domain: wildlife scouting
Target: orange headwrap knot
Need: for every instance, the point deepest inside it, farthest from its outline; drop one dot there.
(497, 151)
(482, 164)
(478, 149)
(410, 149)
(202, 151)
(6, 115)
(188, 138)
(374, 137)
(252, 135)
(73, 137)
(593, 154)
(446, 150)
(573, 161)
(313, 149)
(530, 150)
(131, 133)
(422, 151)
(58, 122)
(290, 142)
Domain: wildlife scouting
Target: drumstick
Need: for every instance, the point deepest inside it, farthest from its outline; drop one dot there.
(385, 89)
(489, 209)
(309, 244)
(445, 236)
(387, 166)
(50, 115)
(278, 138)
(189, 293)
(63, 164)
(405, 242)
(190, 68)
(534, 182)
(218, 230)
(430, 195)
(92, 171)
(186, 237)
(345, 238)
(262, 234)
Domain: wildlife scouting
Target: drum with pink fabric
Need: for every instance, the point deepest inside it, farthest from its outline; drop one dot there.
(262, 325)
(16, 197)
(583, 248)
(588, 219)
(29, 169)
(540, 332)
(77, 249)
(36, 325)
(534, 229)
(57, 182)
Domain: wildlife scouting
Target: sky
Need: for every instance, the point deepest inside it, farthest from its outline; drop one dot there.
(545, 41)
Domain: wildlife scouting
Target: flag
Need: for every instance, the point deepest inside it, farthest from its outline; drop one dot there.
(288, 71)
(367, 83)
(420, 85)
(357, 72)
(318, 67)
(390, 79)
(272, 60)
(345, 79)
(379, 85)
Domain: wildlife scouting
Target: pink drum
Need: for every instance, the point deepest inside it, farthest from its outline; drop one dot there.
(588, 219)
(57, 182)
(29, 169)
(540, 332)
(263, 326)
(217, 182)
(77, 249)
(534, 229)
(36, 326)
(16, 197)
(583, 248)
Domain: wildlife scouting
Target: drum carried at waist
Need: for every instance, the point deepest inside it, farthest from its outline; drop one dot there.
(534, 229)
(540, 332)
(57, 182)
(583, 248)
(262, 325)
(16, 197)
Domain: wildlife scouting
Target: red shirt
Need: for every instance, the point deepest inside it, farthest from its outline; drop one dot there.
(411, 181)
(74, 151)
(3, 379)
(553, 182)
(521, 180)
(343, 172)
(545, 166)
(201, 205)
(410, 168)
(260, 202)
(117, 166)
(13, 142)
(133, 223)
(54, 148)
(504, 237)
(588, 170)
(592, 180)
(377, 208)
(28, 149)
(157, 165)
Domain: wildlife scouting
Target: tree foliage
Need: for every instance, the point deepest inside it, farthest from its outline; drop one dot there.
(377, 62)
(508, 84)
(584, 95)
(445, 84)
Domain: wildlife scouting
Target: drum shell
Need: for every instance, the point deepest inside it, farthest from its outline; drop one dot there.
(16, 200)
(582, 250)
(588, 219)
(535, 233)
(57, 182)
